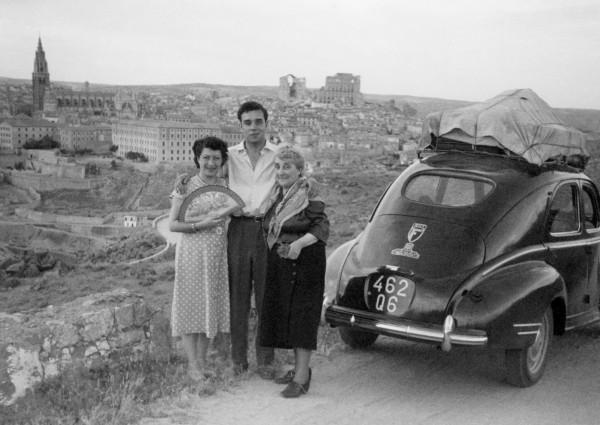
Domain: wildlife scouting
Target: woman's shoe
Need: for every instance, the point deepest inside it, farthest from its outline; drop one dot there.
(287, 378)
(294, 389)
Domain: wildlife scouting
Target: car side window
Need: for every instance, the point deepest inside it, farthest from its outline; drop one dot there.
(591, 219)
(564, 210)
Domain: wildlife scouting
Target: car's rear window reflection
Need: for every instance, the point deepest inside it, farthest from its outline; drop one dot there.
(445, 190)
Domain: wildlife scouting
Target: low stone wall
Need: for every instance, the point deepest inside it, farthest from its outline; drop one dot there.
(22, 234)
(57, 218)
(45, 183)
(106, 327)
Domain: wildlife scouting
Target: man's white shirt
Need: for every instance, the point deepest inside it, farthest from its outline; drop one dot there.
(252, 185)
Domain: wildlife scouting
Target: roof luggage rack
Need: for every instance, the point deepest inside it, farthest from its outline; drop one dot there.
(571, 163)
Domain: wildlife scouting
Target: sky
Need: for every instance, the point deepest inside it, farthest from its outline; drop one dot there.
(453, 49)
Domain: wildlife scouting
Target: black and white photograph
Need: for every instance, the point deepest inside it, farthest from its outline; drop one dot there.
(337, 212)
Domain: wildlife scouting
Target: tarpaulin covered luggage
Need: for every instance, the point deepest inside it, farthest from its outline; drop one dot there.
(517, 122)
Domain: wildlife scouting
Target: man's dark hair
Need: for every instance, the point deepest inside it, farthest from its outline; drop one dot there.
(209, 142)
(251, 106)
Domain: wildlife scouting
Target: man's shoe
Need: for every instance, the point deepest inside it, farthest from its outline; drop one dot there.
(287, 378)
(266, 372)
(239, 369)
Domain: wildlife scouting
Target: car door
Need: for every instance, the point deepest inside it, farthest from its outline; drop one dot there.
(590, 204)
(568, 253)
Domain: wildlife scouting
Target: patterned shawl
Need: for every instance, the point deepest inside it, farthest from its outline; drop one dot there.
(294, 201)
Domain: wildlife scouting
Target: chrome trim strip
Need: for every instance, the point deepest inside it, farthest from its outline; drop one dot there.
(432, 334)
(518, 325)
(528, 332)
(572, 316)
(579, 242)
(521, 252)
(540, 248)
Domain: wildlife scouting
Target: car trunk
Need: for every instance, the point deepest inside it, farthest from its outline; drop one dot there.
(436, 255)
(429, 248)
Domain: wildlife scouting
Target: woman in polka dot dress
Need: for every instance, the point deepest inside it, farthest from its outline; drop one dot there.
(201, 294)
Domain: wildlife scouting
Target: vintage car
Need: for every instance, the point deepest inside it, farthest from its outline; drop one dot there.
(473, 249)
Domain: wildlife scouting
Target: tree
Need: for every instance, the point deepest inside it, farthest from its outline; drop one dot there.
(45, 142)
(113, 148)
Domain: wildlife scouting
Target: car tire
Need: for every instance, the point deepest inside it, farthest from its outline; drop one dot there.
(525, 366)
(357, 339)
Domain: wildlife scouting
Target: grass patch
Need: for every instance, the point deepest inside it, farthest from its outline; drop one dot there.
(111, 396)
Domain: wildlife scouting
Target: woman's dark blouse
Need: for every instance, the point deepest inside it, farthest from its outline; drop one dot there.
(311, 219)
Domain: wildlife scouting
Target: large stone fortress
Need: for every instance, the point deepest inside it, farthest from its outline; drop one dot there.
(342, 89)
(292, 88)
(40, 78)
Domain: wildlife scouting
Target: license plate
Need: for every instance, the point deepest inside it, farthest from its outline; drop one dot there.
(389, 293)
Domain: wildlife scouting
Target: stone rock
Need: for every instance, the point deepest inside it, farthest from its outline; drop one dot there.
(97, 324)
(5, 262)
(31, 270)
(45, 261)
(88, 331)
(16, 268)
(125, 316)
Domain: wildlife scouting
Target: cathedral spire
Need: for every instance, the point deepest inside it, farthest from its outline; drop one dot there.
(40, 77)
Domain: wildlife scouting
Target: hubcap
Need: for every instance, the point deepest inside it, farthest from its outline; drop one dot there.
(537, 351)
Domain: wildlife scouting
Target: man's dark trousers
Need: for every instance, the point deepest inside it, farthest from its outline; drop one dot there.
(247, 258)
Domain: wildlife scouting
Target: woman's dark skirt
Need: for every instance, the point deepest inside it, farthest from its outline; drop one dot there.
(293, 299)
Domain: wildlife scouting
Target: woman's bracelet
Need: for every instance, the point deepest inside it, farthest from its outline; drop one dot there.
(193, 227)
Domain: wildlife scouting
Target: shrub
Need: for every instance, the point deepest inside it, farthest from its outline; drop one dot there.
(136, 156)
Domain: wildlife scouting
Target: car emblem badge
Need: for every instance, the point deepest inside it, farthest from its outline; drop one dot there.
(414, 234)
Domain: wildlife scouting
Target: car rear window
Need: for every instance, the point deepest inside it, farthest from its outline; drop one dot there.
(447, 190)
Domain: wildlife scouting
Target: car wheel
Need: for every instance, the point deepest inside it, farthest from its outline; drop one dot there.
(357, 339)
(526, 365)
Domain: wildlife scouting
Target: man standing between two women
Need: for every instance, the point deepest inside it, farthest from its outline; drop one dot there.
(279, 235)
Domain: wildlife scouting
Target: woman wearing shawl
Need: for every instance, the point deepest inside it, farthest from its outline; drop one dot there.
(297, 229)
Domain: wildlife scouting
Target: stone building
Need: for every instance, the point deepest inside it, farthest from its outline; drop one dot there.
(64, 100)
(167, 140)
(40, 78)
(97, 138)
(15, 132)
(292, 88)
(341, 88)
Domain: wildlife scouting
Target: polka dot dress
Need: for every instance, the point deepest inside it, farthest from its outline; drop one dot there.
(201, 292)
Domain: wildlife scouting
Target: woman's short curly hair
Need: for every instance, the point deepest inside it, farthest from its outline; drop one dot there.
(209, 142)
(289, 154)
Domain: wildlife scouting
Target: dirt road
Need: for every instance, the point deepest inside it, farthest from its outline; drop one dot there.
(399, 382)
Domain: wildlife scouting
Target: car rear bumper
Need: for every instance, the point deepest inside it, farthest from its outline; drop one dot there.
(400, 328)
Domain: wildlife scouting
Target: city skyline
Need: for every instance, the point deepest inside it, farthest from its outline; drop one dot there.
(465, 50)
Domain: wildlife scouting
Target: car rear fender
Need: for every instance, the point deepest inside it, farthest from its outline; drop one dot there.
(508, 302)
(333, 272)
